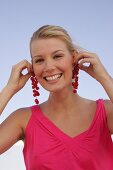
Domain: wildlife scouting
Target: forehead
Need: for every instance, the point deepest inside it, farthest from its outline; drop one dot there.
(47, 45)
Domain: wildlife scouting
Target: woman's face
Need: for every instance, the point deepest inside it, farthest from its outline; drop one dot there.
(52, 63)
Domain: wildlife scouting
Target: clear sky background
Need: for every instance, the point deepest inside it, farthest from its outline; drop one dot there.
(89, 22)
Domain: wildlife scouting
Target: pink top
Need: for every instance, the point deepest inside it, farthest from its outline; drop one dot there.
(48, 148)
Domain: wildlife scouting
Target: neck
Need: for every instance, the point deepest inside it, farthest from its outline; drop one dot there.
(60, 101)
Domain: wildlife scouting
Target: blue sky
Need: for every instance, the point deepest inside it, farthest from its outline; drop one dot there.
(89, 22)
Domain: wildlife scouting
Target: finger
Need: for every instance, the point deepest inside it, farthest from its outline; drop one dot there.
(26, 77)
(24, 64)
(83, 55)
(86, 62)
(84, 68)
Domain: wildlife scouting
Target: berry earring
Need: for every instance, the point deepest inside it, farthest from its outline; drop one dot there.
(35, 87)
(75, 72)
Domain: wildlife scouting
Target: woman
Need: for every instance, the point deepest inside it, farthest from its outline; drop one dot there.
(67, 131)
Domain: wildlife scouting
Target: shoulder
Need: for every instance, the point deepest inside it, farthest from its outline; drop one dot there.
(21, 116)
(108, 106)
(89, 104)
(22, 112)
(109, 114)
(12, 128)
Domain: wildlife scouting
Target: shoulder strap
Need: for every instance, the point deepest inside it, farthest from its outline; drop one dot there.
(102, 112)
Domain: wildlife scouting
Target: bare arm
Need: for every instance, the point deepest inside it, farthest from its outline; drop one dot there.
(5, 95)
(16, 82)
(98, 72)
(107, 83)
(11, 130)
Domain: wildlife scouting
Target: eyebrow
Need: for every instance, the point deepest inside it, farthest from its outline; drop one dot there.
(52, 53)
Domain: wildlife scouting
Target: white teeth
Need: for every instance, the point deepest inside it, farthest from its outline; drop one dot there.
(53, 77)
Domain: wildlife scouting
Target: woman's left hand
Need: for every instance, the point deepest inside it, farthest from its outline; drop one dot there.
(90, 63)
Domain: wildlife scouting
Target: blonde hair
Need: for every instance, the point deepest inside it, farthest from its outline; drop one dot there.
(52, 31)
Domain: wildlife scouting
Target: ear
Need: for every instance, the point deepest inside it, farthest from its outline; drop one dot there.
(32, 65)
(74, 56)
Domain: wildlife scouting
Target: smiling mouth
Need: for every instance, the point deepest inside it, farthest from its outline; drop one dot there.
(54, 77)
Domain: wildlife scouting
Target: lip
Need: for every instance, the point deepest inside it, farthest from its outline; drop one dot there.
(52, 81)
(52, 75)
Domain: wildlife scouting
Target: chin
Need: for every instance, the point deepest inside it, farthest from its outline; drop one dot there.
(53, 89)
(57, 89)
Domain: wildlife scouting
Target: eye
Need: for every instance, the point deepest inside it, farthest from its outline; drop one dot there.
(57, 56)
(39, 61)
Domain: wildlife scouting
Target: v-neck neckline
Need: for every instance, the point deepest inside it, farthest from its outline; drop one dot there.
(60, 133)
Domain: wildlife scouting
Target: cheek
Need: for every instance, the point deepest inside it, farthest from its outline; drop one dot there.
(37, 70)
(66, 66)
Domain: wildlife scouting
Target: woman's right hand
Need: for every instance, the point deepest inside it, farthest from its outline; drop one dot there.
(17, 79)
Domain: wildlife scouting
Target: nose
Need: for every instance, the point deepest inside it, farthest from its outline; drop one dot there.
(49, 66)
